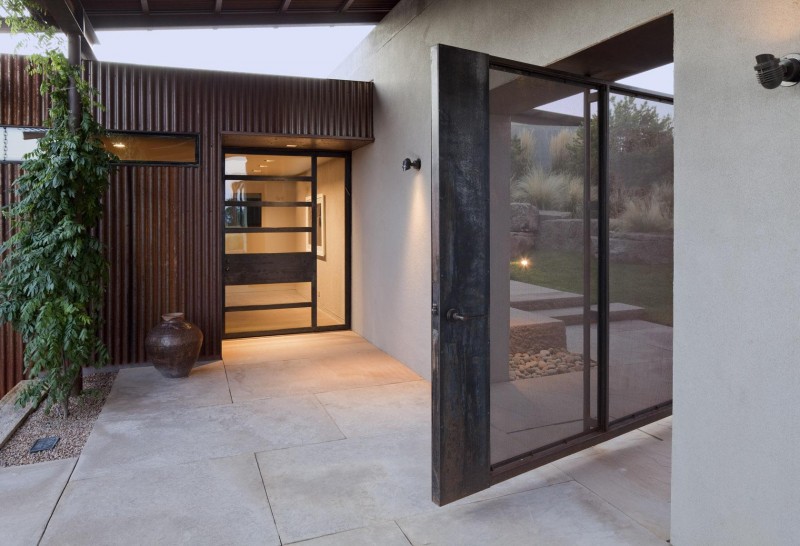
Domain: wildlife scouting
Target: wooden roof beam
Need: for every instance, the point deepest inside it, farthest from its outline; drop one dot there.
(346, 6)
(111, 21)
(285, 5)
(71, 22)
(218, 6)
(145, 7)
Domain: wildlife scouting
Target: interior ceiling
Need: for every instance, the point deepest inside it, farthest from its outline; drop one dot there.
(272, 165)
(148, 14)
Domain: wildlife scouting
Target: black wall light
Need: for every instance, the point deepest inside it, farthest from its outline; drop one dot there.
(407, 164)
(773, 73)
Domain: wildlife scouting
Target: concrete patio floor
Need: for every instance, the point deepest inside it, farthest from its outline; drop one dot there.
(321, 439)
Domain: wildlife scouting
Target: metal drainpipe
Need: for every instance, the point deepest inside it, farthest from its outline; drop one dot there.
(74, 58)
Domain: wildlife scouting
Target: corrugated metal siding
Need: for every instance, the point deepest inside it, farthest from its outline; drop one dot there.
(10, 342)
(161, 225)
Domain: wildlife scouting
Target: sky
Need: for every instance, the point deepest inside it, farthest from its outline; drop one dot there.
(290, 51)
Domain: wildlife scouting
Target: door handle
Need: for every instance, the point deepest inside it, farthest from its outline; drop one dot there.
(454, 315)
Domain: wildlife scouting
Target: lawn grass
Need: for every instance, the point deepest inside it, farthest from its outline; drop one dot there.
(647, 286)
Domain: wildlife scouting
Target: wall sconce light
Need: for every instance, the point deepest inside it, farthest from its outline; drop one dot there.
(407, 164)
(773, 73)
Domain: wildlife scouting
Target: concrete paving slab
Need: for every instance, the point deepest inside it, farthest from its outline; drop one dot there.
(28, 495)
(140, 391)
(313, 375)
(634, 477)
(190, 434)
(338, 486)
(385, 409)
(566, 514)
(217, 501)
(387, 534)
(275, 348)
(329, 488)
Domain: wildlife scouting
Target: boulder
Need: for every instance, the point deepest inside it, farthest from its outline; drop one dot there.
(524, 217)
(521, 245)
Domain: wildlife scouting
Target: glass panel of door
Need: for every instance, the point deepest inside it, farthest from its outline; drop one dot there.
(284, 243)
(543, 175)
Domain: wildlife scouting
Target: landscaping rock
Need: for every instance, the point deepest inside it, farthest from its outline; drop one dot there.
(521, 244)
(543, 364)
(524, 217)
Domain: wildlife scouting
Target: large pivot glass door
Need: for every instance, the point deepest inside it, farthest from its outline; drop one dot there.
(286, 248)
(552, 266)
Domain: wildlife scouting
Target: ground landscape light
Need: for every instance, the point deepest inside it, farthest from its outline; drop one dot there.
(407, 164)
(773, 73)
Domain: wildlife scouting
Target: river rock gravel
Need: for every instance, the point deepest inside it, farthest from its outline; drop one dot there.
(544, 363)
(73, 431)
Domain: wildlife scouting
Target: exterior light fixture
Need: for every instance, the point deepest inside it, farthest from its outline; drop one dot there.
(524, 262)
(773, 73)
(407, 164)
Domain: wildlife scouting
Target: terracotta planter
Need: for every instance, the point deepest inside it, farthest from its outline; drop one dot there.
(173, 345)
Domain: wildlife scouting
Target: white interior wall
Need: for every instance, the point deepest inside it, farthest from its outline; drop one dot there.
(736, 470)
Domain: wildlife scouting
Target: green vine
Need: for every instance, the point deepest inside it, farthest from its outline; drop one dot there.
(53, 271)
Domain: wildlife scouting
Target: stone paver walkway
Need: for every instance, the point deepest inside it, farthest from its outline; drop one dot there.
(321, 439)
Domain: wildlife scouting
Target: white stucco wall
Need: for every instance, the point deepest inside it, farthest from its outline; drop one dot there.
(736, 439)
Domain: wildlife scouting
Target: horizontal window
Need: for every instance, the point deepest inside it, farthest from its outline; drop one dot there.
(18, 141)
(153, 148)
(135, 148)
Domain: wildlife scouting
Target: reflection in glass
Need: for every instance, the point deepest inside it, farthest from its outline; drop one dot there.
(152, 148)
(641, 222)
(544, 187)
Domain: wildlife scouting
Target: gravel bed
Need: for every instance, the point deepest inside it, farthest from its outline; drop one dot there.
(543, 363)
(73, 431)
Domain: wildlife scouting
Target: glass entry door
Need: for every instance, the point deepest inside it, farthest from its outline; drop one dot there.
(286, 250)
(552, 258)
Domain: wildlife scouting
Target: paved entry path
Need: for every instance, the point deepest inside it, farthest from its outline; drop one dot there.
(319, 438)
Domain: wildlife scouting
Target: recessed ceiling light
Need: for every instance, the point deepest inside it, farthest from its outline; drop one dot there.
(291, 145)
(256, 170)
(118, 145)
(264, 166)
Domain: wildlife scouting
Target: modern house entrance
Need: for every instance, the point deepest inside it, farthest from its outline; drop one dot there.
(286, 250)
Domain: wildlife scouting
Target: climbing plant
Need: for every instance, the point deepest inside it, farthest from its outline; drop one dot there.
(53, 270)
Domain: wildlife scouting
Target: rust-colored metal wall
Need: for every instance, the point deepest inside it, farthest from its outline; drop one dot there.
(162, 223)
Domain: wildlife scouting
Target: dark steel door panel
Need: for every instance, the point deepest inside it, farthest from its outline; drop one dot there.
(269, 268)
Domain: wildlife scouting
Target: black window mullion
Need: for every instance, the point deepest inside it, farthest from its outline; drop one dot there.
(603, 117)
(314, 213)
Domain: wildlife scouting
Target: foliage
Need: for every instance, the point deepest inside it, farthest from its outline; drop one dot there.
(650, 213)
(522, 150)
(640, 146)
(540, 188)
(53, 271)
(559, 150)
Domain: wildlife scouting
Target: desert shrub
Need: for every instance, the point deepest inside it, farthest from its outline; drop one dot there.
(643, 215)
(540, 188)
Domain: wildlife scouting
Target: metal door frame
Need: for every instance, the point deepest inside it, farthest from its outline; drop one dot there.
(313, 155)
